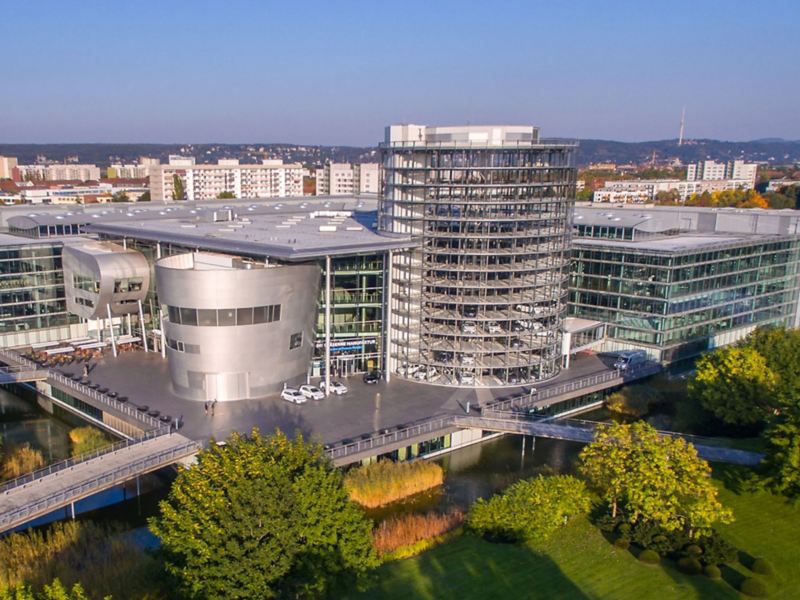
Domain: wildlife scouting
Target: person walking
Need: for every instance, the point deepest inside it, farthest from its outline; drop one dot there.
(85, 371)
(213, 406)
(205, 407)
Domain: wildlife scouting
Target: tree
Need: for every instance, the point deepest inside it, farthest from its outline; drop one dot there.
(225, 195)
(780, 469)
(144, 197)
(668, 197)
(735, 384)
(54, 591)
(780, 348)
(261, 517)
(529, 510)
(178, 188)
(120, 196)
(652, 478)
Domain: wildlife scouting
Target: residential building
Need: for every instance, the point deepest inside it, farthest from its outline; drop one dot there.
(120, 171)
(710, 170)
(67, 172)
(483, 296)
(345, 179)
(7, 166)
(678, 281)
(639, 191)
(271, 179)
(776, 185)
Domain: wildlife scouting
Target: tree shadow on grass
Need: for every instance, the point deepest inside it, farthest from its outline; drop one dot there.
(472, 568)
(704, 586)
(736, 478)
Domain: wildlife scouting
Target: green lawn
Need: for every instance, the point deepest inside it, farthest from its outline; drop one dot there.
(579, 563)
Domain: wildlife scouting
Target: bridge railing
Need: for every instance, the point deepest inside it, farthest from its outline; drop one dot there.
(534, 395)
(146, 420)
(27, 478)
(121, 473)
(389, 437)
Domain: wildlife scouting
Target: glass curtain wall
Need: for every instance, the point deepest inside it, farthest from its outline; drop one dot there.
(482, 300)
(676, 302)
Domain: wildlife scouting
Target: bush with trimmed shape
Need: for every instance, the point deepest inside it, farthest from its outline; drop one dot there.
(712, 572)
(753, 587)
(649, 557)
(690, 565)
(622, 543)
(762, 566)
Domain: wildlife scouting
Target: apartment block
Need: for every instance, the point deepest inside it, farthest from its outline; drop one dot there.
(7, 166)
(271, 179)
(710, 170)
(345, 179)
(59, 172)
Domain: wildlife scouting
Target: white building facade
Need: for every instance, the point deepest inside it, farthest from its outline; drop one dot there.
(345, 179)
(59, 172)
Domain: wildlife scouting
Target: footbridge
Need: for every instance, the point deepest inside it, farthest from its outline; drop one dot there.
(576, 430)
(62, 484)
(22, 374)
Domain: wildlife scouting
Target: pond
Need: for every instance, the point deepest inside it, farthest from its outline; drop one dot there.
(23, 422)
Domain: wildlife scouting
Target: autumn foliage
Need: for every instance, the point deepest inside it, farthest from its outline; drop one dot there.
(384, 482)
(408, 529)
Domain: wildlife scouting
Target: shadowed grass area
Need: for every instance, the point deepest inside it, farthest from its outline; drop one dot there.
(578, 562)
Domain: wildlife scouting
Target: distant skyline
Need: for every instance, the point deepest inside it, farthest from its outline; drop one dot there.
(337, 73)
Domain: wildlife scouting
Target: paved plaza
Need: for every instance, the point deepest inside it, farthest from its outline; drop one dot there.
(144, 379)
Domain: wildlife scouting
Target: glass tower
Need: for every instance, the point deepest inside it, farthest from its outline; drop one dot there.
(481, 300)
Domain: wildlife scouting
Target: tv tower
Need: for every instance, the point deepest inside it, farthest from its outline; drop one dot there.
(683, 122)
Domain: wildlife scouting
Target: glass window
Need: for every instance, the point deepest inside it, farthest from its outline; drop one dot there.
(188, 316)
(174, 314)
(244, 316)
(206, 317)
(226, 317)
(296, 340)
(260, 314)
(276, 313)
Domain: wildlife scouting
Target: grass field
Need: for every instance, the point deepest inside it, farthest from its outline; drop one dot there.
(579, 563)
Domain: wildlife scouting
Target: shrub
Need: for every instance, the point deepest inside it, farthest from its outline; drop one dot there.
(649, 557)
(712, 572)
(97, 557)
(531, 509)
(635, 401)
(690, 566)
(406, 530)
(717, 550)
(650, 535)
(753, 587)
(383, 482)
(622, 543)
(20, 460)
(86, 439)
(762, 566)
(693, 550)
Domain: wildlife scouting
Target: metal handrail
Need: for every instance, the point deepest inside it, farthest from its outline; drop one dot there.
(384, 439)
(75, 460)
(64, 495)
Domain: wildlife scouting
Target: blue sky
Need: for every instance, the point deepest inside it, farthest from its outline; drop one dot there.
(338, 72)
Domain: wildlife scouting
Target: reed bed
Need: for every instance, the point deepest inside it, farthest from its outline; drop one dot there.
(405, 530)
(100, 558)
(384, 482)
(20, 460)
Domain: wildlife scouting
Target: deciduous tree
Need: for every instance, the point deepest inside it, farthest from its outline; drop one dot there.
(736, 384)
(653, 478)
(261, 517)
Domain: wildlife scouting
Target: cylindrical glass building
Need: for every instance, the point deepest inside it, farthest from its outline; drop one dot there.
(480, 302)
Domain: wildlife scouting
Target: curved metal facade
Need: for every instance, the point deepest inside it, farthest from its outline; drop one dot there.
(225, 338)
(102, 274)
(482, 300)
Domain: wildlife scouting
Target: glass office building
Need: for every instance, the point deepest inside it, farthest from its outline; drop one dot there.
(481, 301)
(678, 287)
(32, 303)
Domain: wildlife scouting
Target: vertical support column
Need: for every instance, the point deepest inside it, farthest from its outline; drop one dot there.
(387, 315)
(125, 243)
(327, 325)
(111, 330)
(163, 337)
(141, 323)
(158, 250)
(128, 320)
(72, 510)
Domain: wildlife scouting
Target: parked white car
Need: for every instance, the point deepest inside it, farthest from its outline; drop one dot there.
(467, 359)
(426, 373)
(526, 308)
(407, 370)
(468, 328)
(493, 327)
(293, 395)
(466, 378)
(337, 387)
(312, 391)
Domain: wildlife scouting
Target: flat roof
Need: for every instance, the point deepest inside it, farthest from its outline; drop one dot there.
(289, 229)
(679, 243)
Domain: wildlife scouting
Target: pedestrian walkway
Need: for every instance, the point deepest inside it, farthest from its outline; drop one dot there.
(43, 492)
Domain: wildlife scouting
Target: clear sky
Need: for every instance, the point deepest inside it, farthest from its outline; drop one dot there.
(337, 72)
